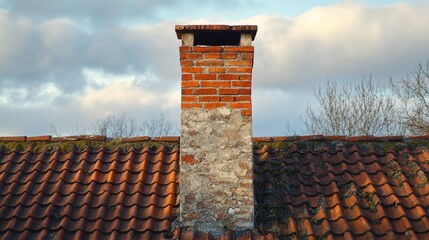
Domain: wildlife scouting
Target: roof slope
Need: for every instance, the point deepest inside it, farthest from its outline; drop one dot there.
(96, 192)
(305, 188)
(342, 189)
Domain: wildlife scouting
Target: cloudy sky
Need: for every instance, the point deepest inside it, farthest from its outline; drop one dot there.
(68, 63)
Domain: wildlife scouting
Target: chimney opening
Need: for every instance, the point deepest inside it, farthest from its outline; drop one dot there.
(223, 38)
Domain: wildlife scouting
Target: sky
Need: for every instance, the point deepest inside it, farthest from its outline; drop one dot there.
(70, 63)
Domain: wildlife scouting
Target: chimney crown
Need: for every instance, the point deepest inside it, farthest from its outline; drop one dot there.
(216, 35)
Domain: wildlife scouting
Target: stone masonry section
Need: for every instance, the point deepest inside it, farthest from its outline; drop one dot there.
(216, 127)
(216, 170)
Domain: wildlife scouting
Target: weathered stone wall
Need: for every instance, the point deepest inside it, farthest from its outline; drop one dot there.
(216, 169)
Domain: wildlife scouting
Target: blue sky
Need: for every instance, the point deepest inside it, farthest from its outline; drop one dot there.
(69, 63)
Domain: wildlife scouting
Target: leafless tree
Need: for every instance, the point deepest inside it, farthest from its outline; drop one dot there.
(117, 126)
(122, 126)
(413, 95)
(289, 130)
(159, 126)
(53, 131)
(125, 126)
(353, 109)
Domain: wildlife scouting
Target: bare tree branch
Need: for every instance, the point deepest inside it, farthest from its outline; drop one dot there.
(362, 109)
(413, 95)
(123, 126)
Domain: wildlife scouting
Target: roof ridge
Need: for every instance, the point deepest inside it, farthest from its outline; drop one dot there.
(102, 138)
(318, 137)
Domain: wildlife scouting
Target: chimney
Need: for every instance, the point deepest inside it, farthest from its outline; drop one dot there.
(216, 127)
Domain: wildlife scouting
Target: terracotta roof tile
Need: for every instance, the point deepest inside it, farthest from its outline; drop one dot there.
(369, 187)
(167, 139)
(13, 139)
(39, 138)
(310, 187)
(136, 139)
(89, 193)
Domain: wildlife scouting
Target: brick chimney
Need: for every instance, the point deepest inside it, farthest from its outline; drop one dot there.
(216, 127)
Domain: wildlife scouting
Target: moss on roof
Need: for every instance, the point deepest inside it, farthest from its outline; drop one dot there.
(79, 145)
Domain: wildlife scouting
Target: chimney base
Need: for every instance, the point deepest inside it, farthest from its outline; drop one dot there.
(216, 170)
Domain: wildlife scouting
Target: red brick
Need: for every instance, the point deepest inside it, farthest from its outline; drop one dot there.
(210, 62)
(190, 84)
(205, 91)
(316, 137)
(217, 70)
(238, 49)
(241, 83)
(240, 70)
(244, 91)
(208, 99)
(39, 138)
(228, 91)
(137, 139)
(13, 139)
(187, 91)
(227, 99)
(248, 63)
(246, 112)
(242, 98)
(423, 137)
(262, 139)
(184, 49)
(246, 55)
(229, 55)
(214, 105)
(191, 105)
(215, 84)
(187, 77)
(205, 76)
(361, 138)
(212, 55)
(166, 139)
(186, 62)
(390, 138)
(192, 69)
(189, 99)
(240, 105)
(207, 49)
(246, 77)
(246, 185)
(228, 77)
(337, 138)
(188, 159)
(190, 55)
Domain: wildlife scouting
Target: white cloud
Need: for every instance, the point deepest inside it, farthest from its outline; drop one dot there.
(97, 13)
(346, 40)
(56, 50)
(96, 78)
(124, 92)
(46, 94)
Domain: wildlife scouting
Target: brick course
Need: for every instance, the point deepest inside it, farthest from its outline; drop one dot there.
(216, 72)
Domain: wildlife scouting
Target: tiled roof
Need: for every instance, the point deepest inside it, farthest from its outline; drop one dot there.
(88, 189)
(368, 188)
(307, 187)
